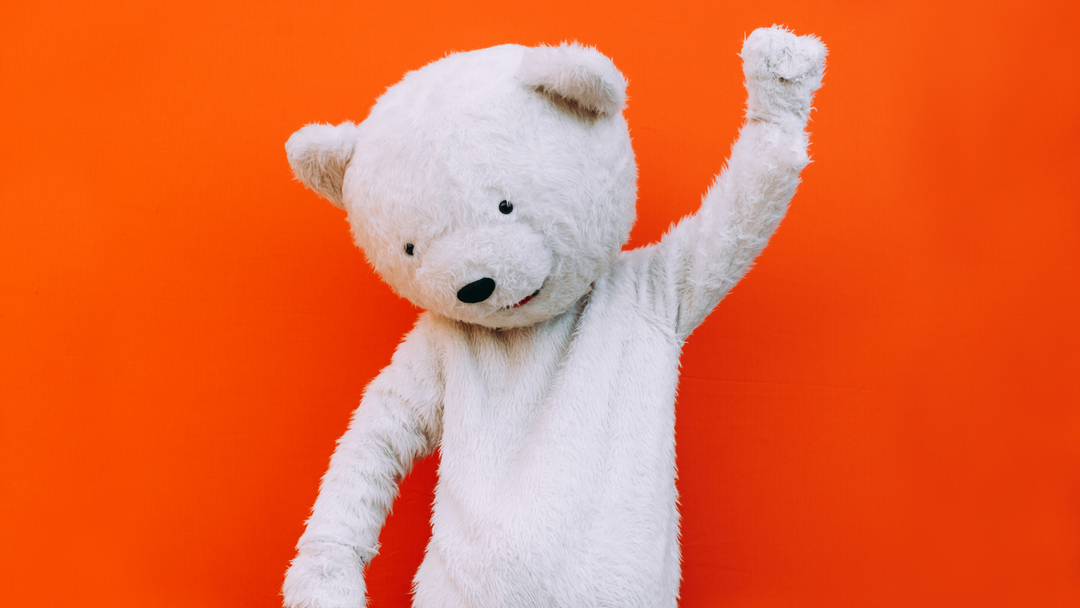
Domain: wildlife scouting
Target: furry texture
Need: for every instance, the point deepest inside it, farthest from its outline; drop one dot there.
(319, 154)
(555, 418)
(577, 74)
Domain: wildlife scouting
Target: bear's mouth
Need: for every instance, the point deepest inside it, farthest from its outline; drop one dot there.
(526, 300)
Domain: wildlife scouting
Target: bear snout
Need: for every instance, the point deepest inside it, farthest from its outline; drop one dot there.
(477, 291)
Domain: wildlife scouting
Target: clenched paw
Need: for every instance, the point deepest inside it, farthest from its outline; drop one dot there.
(782, 72)
(325, 575)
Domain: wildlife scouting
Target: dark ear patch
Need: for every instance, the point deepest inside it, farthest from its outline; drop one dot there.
(567, 105)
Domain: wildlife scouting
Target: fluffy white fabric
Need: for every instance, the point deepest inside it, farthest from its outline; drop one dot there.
(555, 417)
(576, 74)
(319, 155)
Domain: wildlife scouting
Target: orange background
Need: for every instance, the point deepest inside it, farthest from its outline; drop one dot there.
(886, 412)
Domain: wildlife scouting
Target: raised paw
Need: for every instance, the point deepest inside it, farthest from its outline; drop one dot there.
(325, 575)
(782, 72)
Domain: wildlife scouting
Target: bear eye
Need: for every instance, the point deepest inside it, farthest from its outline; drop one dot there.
(408, 248)
(506, 207)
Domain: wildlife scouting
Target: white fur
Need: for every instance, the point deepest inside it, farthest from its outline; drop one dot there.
(555, 419)
(576, 73)
(319, 155)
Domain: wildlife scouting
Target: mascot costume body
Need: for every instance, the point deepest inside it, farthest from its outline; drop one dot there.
(495, 190)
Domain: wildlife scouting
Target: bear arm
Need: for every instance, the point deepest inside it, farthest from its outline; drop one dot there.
(398, 421)
(706, 254)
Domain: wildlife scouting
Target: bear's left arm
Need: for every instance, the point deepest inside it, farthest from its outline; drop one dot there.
(706, 254)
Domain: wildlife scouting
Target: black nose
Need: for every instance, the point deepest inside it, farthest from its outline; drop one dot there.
(477, 291)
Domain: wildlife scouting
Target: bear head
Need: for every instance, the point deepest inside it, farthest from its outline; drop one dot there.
(492, 187)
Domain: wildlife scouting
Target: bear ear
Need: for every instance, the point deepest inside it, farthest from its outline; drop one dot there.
(319, 154)
(574, 75)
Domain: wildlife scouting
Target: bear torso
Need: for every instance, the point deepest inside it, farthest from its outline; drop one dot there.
(557, 475)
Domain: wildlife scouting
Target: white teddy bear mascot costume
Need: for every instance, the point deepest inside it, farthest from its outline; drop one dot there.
(495, 189)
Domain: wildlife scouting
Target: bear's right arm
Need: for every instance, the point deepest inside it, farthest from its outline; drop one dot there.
(399, 420)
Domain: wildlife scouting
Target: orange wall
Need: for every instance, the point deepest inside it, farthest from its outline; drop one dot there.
(885, 413)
